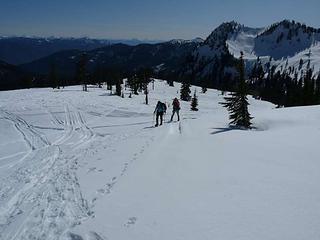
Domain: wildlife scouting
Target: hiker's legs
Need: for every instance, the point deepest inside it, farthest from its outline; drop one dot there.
(157, 119)
(172, 116)
(161, 118)
(173, 111)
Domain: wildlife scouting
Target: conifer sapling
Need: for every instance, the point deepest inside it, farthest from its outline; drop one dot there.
(194, 102)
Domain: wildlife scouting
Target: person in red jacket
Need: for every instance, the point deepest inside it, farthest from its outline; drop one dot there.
(175, 108)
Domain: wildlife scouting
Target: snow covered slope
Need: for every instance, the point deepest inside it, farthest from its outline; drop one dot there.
(309, 56)
(243, 40)
(285, 43)
(285, 39)
(89, 166)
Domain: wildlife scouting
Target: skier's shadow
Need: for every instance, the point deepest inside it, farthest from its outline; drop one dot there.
(149, 127)
(225, 129)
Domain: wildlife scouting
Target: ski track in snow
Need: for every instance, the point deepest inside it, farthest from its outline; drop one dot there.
(40, 190)
(44, 191)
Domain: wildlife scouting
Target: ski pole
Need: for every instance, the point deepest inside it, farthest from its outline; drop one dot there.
(180, 124)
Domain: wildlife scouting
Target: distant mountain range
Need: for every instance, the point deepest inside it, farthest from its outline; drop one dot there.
(285, 44)
(168, 57)
(20, 50)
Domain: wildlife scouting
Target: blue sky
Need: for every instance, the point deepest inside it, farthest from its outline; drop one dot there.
(146, 19)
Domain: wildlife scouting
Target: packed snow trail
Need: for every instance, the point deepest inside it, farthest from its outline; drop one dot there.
(90, 166)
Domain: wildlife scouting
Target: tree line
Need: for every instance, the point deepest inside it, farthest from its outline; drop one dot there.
(278, 87)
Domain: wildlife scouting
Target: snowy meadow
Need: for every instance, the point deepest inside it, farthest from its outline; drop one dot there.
(80, 165)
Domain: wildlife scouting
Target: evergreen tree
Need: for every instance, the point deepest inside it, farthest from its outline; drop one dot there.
(133, 84)
(204, 89)
(317, 90)
(237, 102)
(153, 83)
(203, 86)
(113, 77)
(144, 78)
(308, 88)
(300, 63)
(185, 91)
(194, 102)
(109, 76)
(98, 76)
(81, 71)
(53, 78)
(118, 88)
(170, 83)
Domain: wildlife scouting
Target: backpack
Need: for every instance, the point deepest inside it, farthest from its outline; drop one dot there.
(164, 107)
(176, 104)
(161, 107)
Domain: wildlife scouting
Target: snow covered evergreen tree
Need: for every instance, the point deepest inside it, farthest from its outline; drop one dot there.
(237, 102)
(194, 102)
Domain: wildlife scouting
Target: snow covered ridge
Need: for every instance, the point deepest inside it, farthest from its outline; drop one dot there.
(182, 41)
(80, 165)
(280, 40)
(283, 42)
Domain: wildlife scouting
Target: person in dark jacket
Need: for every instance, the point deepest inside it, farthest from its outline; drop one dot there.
(159, 111)
(175, 108)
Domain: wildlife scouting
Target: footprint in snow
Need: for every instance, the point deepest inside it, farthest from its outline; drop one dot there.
(131, 221)
(91, 169)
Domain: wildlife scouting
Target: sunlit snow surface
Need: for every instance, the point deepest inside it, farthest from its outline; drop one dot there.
(86, 165)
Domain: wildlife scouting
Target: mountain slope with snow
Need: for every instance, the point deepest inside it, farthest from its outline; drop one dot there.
(285, 39)
(243, 40)
(310, 58)
(90, 166)
(284, 42)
